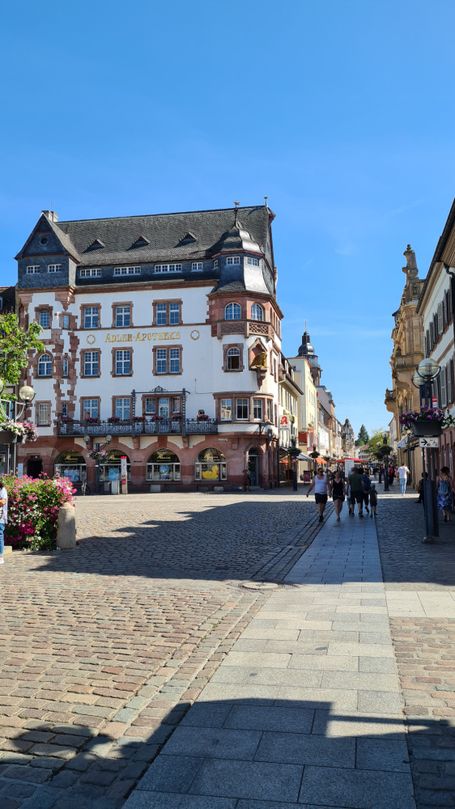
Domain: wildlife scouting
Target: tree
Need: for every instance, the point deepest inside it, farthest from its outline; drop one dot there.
(376, 443)
(15, 345)
(362, 437)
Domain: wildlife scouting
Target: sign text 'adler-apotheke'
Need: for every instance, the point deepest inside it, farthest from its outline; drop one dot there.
(142, 336)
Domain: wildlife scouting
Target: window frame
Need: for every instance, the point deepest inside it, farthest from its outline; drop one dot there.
(239, 399)
(255, 308)
(90, 272)
(55, 268)
(232, 306)
(45, 311)
(38, 419)
(84, 353)
(197, 266)
(166, 311)
(115, 401)
(49, 374)
(33, 269)
(254, 261)
(123, 272)
(85, 316)
(167, 359)
(119, 363)
(115, 315)
(83, 405)
(232, 261)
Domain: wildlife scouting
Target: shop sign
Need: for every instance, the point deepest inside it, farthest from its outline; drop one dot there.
(142, 337)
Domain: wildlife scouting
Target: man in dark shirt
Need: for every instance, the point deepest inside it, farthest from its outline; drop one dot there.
(356, 491)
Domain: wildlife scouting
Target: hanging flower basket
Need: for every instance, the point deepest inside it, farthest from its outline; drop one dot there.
(427, 428)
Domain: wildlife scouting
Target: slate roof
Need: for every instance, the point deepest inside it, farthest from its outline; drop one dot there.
(213, 230)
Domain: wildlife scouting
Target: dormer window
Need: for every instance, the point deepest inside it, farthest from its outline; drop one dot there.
(230, 260)
(54, 267)
(32, 269)
(97, 244)
(140, 242)
(215, 264)
(253, 261)
(233, 311)
(197, 266)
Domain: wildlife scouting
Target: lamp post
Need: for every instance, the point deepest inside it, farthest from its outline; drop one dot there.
(13, 408)
(98, 447)
(426, 372)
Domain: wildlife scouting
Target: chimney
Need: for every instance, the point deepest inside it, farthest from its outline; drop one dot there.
(52, 215)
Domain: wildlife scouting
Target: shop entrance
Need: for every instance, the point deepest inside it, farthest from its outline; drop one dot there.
(253, 467)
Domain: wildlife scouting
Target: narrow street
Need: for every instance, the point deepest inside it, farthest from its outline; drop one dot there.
(151, 666)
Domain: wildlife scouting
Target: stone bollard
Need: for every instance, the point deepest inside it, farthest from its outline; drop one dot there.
(66, 527)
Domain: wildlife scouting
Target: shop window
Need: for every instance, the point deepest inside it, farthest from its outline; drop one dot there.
(211, 465)
(163, 465)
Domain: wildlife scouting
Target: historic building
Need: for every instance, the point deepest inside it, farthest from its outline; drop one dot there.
(307, 373)
(436, 308)
(406, 354)
(162, 345)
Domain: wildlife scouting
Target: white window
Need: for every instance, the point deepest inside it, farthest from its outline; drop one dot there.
(161, 360)
(122, 316)
(122, 408)
(159, 268)
(149, 406)
(65, 321)
(90, 408)
(92, 272)
(32, 269)
(122, 362)
(64, 408)
(45, 365)
(54, 267)
(241, 409)
(269, 410)
(91, 317)
(215, 264)
(174, 314)
(232, 260)
(226, 410)
(233, 311)
(43, 414)
(91, 363)
(44, 318)
(233, 359)
(161, 314)
(65, 367)
(258, 409)
(254, 261)
(174, 360)
(127, 271)
(197, 266)
(257, 312)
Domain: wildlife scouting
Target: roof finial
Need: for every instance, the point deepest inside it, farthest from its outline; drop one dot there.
(266, 200)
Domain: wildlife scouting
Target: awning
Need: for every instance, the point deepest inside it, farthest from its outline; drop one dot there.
(303, 457)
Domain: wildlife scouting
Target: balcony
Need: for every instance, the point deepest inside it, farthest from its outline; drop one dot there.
(67, 427)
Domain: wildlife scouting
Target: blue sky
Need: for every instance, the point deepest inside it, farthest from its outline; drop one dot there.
(341, 112)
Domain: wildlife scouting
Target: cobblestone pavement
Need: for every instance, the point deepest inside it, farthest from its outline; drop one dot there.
(98, 645)
(420, 587)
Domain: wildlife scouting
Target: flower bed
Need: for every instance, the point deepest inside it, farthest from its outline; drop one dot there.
(33, 506)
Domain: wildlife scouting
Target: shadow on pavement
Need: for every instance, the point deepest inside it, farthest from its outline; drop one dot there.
(236, 754)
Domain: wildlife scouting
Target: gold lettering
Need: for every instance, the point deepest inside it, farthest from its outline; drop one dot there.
(140, 336)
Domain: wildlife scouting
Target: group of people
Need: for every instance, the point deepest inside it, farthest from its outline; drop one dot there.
(358, 488)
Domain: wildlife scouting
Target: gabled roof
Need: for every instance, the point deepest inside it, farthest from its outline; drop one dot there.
(439, 252)
(61, 236)
(167, 235)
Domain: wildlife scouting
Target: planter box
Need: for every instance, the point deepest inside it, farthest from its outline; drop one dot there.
(7, 437)
(427, 428)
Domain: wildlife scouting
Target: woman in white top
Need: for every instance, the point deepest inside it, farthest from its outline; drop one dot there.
(320, 485)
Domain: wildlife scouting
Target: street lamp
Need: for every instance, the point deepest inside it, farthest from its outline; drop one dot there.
(427, 371)
(13, 408)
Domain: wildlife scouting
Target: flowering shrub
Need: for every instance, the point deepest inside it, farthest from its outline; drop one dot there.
(23, 429)
(99, 455)
(33, 506)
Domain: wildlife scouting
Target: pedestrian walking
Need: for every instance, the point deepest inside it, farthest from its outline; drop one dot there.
(445, 491)
(337, 491)
(320, 485)
(3, 517)
(356, 491)
(403, 473)
(366, 484)
(373, 500)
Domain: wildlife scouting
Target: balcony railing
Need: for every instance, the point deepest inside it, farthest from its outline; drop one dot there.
(138, 427)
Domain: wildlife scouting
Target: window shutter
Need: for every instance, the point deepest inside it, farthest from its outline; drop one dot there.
(449, 370)
(431, 335)
(440, 318)
(443, 387)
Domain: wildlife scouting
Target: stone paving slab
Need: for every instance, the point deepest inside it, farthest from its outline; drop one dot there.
(326, 717)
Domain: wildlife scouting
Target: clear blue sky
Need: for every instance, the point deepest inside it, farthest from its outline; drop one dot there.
(342, 112)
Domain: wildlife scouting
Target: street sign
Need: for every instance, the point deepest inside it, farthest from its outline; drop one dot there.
(429, 442)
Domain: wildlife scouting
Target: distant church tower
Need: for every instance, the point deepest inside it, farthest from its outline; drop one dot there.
(307, 350)
(348, 438)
